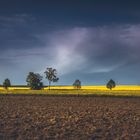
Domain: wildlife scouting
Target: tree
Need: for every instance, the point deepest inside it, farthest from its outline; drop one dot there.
(6, 83)
(111, 84)
(34, 81)
(51, 75)
(77, 84)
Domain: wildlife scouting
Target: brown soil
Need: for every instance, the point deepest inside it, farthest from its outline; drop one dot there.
(69, 118)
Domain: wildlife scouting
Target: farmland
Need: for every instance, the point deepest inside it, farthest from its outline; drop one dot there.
(101, 87)
(120, 90)
(69, 117)
(93, 113)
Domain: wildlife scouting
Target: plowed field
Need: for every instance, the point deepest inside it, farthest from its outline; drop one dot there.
(38, 117)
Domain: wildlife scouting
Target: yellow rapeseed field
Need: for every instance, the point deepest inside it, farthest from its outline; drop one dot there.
(120, 87)
(121, 90)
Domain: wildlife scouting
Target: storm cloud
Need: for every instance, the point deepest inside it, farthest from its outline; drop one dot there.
(85, 51)
(88, 40)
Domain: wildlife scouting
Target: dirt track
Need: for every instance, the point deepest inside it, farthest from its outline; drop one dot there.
(73, 118)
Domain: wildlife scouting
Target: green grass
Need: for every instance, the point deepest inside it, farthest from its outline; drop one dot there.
(74, 92)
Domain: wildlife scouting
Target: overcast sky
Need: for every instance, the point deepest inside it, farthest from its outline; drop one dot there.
(90, 40)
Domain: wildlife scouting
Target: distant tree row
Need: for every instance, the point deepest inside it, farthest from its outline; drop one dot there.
(110, 84)
(34, 80)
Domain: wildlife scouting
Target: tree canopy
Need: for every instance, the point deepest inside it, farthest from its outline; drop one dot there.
(51, 75)
(6, 83)
(77, 84)
(34, 80)
(111, 84)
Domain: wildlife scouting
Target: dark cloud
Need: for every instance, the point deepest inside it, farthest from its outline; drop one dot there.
(107, 49)
(102, 53)
(18, 31)
(89, 40)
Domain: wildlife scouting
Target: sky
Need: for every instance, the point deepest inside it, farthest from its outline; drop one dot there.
(89, 40)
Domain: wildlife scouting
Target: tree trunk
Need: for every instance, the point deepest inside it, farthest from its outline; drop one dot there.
(49, 84)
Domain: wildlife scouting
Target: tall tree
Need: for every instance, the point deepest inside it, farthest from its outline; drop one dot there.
(51, 75)
(6, 83)
(111, 84)
(34, 80)
(77, 84)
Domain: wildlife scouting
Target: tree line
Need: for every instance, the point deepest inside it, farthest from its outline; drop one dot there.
(34, 80)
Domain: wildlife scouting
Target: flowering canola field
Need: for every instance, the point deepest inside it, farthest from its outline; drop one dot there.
(117, 88)
(120, 90)
(120, 87)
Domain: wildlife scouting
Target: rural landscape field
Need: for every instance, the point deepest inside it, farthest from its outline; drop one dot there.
(69, 114)
(69, 70)
(119, 90)
(40, 117)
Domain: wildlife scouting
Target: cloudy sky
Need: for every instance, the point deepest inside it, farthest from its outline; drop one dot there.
(90, 40)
